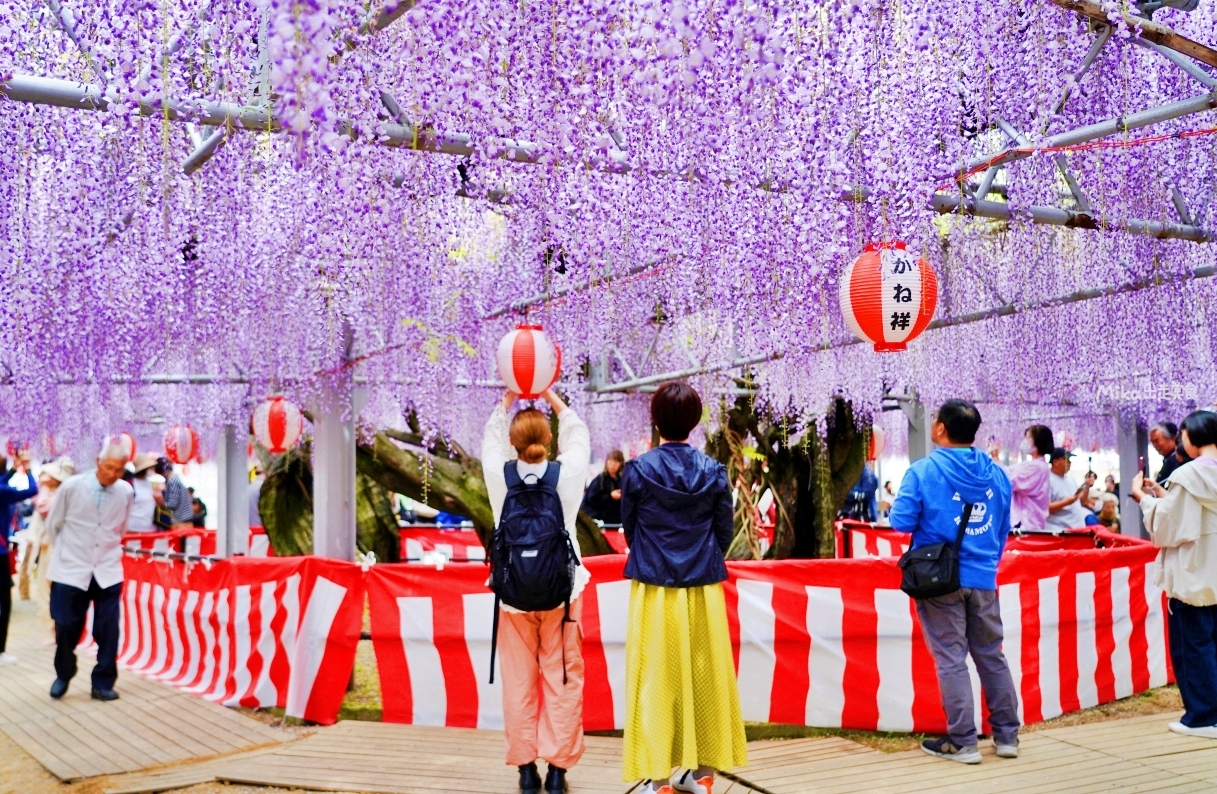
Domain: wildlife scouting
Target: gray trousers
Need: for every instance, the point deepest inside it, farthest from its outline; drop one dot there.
(969, 621)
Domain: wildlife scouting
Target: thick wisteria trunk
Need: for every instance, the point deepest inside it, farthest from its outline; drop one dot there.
(810, 473)
(286, 507)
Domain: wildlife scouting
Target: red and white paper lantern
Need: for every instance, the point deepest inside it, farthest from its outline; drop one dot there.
(181, 444)
(529, 362)
(888, 296)
(878, 441)
(277, 424)
(124, 440)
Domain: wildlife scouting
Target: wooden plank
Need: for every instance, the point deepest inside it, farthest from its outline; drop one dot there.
(143, 736)
(199, 745)
(178, 776)
(224, 718)
(125, 754)
(61, 768)
(75, 739)
(85, 763)
(186, 719)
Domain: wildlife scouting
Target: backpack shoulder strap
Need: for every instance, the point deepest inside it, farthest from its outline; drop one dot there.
(510, 474)
(963, 524)
(553, 473)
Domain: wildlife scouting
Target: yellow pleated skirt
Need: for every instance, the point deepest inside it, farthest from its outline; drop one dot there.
(681, 702)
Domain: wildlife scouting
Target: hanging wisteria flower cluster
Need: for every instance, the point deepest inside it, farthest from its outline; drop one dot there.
(667, 187)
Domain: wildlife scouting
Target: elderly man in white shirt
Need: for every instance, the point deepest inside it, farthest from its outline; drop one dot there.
(86, 525)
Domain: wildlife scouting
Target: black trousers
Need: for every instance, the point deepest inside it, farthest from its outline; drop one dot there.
(6, 599)
(1194, 656)
(70, 610)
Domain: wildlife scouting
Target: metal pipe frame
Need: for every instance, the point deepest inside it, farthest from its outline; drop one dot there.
(1055, 216)
(232, 116)
(1153, 31)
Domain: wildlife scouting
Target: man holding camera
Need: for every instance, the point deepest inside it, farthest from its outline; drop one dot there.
(957, 484)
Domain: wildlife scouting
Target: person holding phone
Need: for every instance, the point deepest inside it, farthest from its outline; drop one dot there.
(1181, 519)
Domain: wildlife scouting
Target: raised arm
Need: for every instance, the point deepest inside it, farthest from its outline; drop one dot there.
(496, 451)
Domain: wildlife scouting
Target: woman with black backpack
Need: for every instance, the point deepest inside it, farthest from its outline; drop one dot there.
(537, 575)
(682, 706)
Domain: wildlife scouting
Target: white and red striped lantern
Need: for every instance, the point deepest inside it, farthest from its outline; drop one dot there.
(277, 424)
(888, 296)
(878, 442)
(181, 444)
(124, 440)
(529, 362)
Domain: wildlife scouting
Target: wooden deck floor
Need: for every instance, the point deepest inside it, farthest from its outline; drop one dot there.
(1128, 755)
(77, 737)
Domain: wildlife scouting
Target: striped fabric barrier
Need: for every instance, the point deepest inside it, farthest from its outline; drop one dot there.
(827, 643)
(456, 545)
(860, 541)
(246, 632)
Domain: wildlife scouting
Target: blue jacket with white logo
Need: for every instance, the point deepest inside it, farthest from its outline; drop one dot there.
(930, 505)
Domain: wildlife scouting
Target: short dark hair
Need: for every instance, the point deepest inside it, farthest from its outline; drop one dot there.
(961, 420)
(1041, 438)
(675, 410)
(1201, 428)
(616, 455)
(1169, 429)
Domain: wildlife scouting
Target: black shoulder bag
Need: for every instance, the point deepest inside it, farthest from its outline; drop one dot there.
(932, 571)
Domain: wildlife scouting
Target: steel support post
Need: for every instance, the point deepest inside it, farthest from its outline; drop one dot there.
(232, 534)
(1132, 443)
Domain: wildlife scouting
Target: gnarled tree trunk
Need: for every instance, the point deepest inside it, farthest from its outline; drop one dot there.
(810, 477)
(440, 474)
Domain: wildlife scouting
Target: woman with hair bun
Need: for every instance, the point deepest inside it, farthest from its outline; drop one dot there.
(1182, 523)
(682, 706)
(541, 656)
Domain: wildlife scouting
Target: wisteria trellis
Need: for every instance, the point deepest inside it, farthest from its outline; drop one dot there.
(702, 147)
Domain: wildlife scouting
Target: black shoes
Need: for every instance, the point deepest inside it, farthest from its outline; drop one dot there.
(555, 780)
(102, 694)
(59, 688)
(530, 779)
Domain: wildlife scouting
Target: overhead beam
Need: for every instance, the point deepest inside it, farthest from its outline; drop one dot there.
(1183, 63)
(1092, 132)
(1054, 216)
(1153, 31)
(550, 296)
(233, 116)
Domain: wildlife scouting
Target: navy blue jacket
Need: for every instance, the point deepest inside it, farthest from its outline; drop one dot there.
(10, 496)
(676, 513)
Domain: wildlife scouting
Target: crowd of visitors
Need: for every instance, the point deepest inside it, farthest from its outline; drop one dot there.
(674, 506)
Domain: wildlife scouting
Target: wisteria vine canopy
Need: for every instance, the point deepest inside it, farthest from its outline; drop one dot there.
(683, 181)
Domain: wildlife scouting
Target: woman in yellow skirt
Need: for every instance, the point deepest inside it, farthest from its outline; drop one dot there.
(682, 706)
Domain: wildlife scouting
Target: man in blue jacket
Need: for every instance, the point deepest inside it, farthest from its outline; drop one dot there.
(930, 506)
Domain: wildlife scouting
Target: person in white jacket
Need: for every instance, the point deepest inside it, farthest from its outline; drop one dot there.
(541, 659)
(1182, 522)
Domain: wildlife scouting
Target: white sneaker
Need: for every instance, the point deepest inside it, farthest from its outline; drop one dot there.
(650, 786)
(1209, 732)
(7, 659)
(1006, 750)
(685, 782)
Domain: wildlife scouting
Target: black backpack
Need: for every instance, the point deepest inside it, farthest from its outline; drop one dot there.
(532, 559)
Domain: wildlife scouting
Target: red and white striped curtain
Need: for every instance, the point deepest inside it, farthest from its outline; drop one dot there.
(246, 632)
(820, 643)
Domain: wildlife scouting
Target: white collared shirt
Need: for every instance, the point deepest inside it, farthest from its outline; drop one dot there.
(86, 526)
